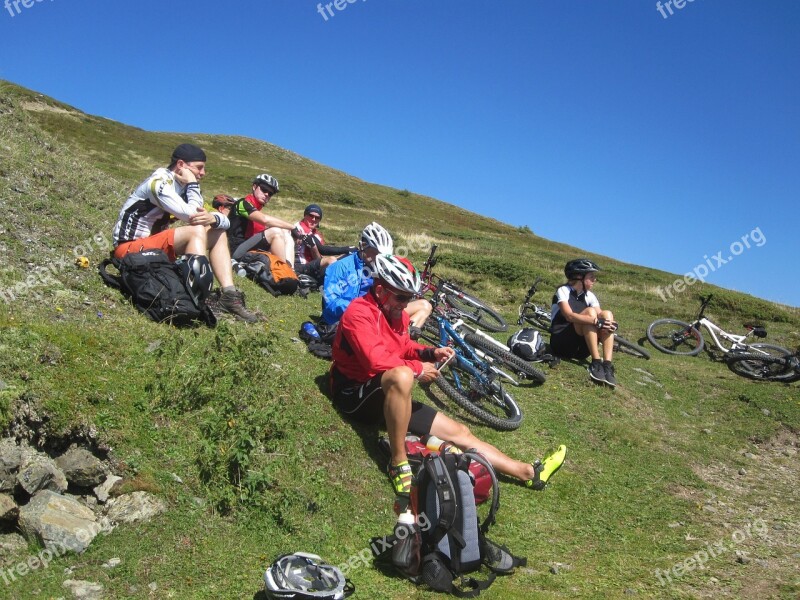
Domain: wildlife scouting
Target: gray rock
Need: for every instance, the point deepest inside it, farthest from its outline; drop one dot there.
(135, 507)
(742, 557)
(9, 511)
(81, 467)
(10, 455)
(111, 563)
(39, 472)
(104, 490)
(742, 472)
(60, 523)
(11, 544)
(750, 455)
(10, 459)
(84, 590)
(766, 412)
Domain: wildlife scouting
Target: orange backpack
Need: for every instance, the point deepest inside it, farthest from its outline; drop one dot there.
(272, 273)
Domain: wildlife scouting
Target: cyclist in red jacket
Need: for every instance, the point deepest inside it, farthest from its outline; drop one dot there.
(375, 367)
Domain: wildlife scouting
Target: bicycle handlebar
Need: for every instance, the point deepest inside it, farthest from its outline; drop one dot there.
(429, 261)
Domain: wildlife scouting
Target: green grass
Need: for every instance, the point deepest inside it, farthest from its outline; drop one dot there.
(240, 414)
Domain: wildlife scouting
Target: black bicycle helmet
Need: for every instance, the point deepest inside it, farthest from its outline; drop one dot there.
(195, 271)
(580, 266)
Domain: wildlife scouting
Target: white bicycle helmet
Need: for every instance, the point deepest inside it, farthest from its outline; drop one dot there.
(268, 180)
(375, 236)
(397, 273)
(301, 576)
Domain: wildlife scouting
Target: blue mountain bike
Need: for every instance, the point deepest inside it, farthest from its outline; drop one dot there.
(475, 384)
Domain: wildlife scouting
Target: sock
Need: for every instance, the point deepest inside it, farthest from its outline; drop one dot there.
(229, 288)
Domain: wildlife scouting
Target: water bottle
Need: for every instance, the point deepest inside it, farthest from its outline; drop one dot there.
(406, 549)
(435, 444)
(311, 331)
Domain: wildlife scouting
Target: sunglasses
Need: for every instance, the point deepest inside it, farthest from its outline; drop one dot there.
(402, 298)
(266, 189)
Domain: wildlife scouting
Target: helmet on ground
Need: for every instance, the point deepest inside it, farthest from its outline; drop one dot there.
(269, 181)
(196, 273)
(397, 273)
(300, 576)
(375, 236)
(580, 266)
(526, 343)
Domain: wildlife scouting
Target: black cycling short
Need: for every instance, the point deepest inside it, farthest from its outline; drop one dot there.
(363, 402)
(312, 268)
(568, 344)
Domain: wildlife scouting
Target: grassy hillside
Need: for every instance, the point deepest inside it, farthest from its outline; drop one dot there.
(684, 456)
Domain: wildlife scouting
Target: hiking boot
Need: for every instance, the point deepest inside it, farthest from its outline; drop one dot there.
(401, 478)
(544, 469)
(597, 372)
(233, 303)
(414, 332)
(610, 378)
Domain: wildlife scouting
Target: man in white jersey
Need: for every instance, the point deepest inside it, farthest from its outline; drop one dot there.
(579, 326)
(174, 193)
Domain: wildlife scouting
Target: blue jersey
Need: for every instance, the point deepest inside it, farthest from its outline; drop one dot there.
(345, 280)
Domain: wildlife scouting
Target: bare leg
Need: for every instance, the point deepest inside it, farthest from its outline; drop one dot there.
(419, 311)
(220, 257)
(458, 433)
(190, 239)
(397, 384)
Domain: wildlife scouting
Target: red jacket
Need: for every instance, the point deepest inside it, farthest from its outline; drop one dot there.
(366, 344)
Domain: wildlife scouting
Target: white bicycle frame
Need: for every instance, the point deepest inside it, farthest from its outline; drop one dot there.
(737, 341)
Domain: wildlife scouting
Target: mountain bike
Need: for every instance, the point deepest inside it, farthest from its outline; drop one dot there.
(540, 318)
(472, 381)
(784, 369)
(466, 305)
(678, 337)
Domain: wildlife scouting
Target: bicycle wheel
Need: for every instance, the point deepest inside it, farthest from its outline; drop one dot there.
(763, 362)
(488, 401)
(537, 319)
(472, 309)
(626, 347)
(509, 359)
(675, 337)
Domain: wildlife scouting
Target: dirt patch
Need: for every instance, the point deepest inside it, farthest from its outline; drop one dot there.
(755, 506)
(42, 107)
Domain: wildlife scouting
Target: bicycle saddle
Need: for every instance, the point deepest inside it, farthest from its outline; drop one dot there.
(758, 330)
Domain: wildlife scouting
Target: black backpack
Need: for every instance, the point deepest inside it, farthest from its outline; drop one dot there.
(450, 537)
(158, 288)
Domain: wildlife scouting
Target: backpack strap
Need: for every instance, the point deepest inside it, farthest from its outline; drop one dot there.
(436, 471)
(114, 281)
(495, 503)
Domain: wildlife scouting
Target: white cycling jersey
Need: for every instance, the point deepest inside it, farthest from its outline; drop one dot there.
(154, 202)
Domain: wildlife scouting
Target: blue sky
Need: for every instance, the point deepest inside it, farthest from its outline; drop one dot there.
(660, 140)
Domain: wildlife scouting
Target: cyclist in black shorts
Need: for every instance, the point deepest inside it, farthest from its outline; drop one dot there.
(579, 326)
(375, 367)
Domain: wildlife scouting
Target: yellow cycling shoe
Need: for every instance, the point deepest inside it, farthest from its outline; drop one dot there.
(544, 469)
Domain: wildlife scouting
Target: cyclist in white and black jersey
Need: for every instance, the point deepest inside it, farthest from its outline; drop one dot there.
(173, 193)
(579, 326)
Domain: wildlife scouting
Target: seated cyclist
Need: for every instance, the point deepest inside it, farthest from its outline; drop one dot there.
(311, 255)
(253, 229)
(351, 278)
(375, 367)
(579, 326)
